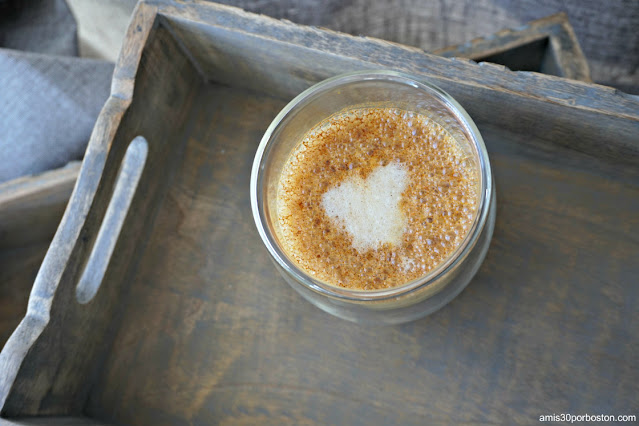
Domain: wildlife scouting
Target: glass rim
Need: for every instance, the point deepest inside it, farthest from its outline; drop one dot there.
(433, 276)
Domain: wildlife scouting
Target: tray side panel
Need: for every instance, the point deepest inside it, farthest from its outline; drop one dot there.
(281, 58)
(60, 367)
(30, 211)
(31, 207)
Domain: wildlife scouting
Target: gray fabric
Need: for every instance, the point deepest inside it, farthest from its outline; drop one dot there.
(49, 100)
(43, 26)
(48, 106)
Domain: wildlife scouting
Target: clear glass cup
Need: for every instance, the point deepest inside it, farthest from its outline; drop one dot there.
(413, 299)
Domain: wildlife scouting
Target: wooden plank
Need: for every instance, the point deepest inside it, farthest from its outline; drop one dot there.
(30, 211)
(286, 58)
(31, 207)
(18, 269)
(607, 35)
(550, 41)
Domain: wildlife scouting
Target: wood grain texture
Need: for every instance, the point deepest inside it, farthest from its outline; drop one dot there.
(30, 211)
(606, 31)
(224, 340)
(560, 53)
(18, 269)
(192, 324)
(31, 207)
(59, 390)
(286, 59)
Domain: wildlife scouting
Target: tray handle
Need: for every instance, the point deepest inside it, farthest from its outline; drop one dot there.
(126, 185)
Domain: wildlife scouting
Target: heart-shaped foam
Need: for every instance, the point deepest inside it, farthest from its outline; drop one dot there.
(368, 209)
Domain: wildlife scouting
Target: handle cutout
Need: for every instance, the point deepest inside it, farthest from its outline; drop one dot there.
(126, 184)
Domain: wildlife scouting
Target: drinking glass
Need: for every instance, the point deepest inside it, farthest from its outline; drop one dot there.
(387, 89)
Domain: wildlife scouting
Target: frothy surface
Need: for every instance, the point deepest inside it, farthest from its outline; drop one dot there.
(372, 198)
(368, 209)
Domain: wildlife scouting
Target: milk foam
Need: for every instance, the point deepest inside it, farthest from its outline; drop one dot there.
(368, 209)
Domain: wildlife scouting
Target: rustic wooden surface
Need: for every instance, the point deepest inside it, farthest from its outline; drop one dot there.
(547, 45)
(547, 107)
(194, 326)
(606, 31)
(219, 337)
(30, 210)
(71, 353)
(31, 207)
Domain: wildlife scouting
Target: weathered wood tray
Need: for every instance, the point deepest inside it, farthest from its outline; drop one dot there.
(548, 45)
(191, 323)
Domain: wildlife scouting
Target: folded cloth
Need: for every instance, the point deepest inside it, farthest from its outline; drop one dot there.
(48, 106)
(49, 100)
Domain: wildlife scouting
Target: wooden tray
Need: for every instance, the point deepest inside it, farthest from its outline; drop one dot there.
(192, 324)
(547, 45)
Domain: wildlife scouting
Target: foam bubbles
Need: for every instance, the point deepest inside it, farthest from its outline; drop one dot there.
(368, 209)
(365, 201)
